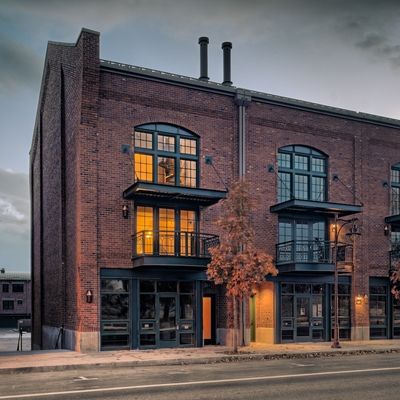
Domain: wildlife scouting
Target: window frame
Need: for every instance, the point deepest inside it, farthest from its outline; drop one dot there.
(394, 205)
(310, 154)
(178, 134)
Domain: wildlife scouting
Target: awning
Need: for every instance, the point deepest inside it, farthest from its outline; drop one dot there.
(318, 207)
(153, 191)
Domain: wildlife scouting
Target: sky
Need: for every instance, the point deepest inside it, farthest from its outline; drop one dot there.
(342, 53)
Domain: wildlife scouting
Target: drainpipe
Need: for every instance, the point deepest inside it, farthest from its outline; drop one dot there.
(242, 100)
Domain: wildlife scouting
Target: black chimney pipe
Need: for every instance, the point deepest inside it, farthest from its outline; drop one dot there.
(203, 42)
(226, 47)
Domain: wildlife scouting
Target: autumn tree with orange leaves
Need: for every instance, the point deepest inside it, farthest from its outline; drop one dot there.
(236, 263)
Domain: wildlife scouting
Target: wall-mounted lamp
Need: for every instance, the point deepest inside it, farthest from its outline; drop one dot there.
(386, 230)
(125, 211)
(270, 168)
(89, 296)
(360, 299)
(385, 184)
(335, 177)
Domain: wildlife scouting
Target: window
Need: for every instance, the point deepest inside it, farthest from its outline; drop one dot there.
(301, 174)
(5, 287)
(17, 287)
(166, 231)
(395, 189)
(8, 304)
(165, 154)
(302, 240)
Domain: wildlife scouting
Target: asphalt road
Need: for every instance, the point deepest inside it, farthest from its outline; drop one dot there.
(336, 378)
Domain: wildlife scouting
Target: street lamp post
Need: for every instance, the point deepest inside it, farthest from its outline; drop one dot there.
(353, 231)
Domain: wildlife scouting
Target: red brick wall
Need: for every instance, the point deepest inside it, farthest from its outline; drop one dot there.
(102, 108)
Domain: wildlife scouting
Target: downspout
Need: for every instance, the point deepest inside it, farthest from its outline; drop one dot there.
(242, 100)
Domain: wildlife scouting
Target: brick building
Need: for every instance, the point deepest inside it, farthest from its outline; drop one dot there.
(127, 169)
(15, 298)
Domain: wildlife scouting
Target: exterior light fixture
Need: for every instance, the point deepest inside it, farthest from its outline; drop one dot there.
(365, 299)
(125, 211)
(359, 299)
(386, 230)
(89, 296)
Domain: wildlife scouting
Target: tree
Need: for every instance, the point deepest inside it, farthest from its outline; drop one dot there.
(395, 279)
(236, 263)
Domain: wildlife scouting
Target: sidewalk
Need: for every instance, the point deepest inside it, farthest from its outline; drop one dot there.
(58, 360)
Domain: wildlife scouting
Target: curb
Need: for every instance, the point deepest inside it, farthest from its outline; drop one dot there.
(201, 360)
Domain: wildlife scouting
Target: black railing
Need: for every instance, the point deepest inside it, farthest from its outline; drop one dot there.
(394, 257)
(312, 251)
(173, 243)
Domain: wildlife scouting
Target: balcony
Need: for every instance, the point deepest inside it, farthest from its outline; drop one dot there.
(313, 256)
(172, 248)
(394, 256)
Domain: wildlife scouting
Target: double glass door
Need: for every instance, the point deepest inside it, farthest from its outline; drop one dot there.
(303, 316)
(167, 313)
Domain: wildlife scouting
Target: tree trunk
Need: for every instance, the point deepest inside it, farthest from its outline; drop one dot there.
(235, 326)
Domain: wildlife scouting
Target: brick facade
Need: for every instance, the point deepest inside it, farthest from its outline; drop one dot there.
(88, 109)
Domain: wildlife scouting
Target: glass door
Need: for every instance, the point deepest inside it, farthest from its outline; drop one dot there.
(302, 318)
(167, 320)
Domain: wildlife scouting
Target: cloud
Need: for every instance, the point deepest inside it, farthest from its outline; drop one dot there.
(14, 203)
(374, 30)
(8, 210)
(19, 65)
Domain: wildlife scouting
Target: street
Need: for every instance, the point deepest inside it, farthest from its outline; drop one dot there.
(331, 378)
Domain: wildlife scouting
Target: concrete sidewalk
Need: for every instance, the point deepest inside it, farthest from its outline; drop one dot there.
(57, 360)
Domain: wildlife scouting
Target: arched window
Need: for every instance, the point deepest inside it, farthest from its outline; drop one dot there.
(166, 154)
(301, 174)
(395, 189)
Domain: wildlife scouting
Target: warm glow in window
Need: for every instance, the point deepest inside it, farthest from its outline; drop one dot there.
(188, 173)
(166, 224)
(165, 154)
(143, 167)
(143, 140)
(166, 143)
(144, 229)
(187, 146)
(166, 170)
(188, 229)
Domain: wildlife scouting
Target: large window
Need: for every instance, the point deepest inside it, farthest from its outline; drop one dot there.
(166, 154)
(395, 189)
(301, 174)
(165, 231)
(302, 240)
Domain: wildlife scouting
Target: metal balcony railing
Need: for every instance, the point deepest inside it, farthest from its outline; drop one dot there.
(312, 251)
(173, 243)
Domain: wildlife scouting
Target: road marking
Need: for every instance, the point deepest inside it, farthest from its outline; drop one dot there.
(83, 378)
(303, 365)
(193, 383)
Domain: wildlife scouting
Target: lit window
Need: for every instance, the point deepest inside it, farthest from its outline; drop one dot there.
(166, 170)
(188, 173)
(164, 163)
(144, 229)
(144, 167)
(143, 140)
(166, 223)
(166, 143)
(188, 146)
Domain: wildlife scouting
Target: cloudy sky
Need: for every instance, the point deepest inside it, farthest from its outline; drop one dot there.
(343, 53)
